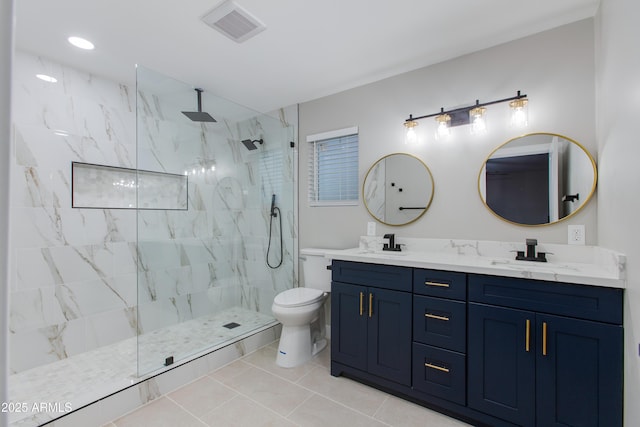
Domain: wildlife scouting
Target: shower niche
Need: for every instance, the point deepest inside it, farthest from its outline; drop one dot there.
(110, 187)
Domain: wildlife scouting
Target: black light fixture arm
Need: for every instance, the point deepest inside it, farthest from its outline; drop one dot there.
(462, 109)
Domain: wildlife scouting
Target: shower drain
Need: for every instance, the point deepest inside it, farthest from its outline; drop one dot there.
(231, 325)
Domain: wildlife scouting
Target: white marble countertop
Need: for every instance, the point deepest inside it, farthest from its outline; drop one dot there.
(601, 267)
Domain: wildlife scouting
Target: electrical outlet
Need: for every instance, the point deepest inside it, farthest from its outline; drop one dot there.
(576, 235)
(371, 228)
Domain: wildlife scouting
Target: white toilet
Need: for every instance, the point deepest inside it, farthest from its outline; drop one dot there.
(301, 312)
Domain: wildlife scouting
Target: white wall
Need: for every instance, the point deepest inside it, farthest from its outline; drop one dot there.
(554, 68)
(6, 61)
(618, 104)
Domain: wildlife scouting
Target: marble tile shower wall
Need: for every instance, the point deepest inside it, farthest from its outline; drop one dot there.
(74, 271)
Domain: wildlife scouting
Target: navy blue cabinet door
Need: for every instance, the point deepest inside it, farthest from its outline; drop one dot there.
(579, 372)
(349, 324)
(389, 335)
(501, 363)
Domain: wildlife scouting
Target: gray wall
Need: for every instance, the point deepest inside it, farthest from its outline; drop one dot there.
(618, 103)
(555, 68)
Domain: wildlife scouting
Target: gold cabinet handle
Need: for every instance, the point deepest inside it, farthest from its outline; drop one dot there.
(544, 338)
(433, 316)
(361, 302)
(436, 367)
(370, 305)
(440, 285)
(528, 335)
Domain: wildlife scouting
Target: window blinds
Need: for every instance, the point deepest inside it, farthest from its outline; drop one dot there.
(333, 168)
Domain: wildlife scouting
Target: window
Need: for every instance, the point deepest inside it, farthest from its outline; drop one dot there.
(333, 168)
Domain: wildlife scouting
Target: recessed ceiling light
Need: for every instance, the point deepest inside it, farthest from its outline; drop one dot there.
(81, 43)
(46, 78)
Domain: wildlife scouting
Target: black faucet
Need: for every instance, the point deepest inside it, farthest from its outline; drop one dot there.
(392, 246)
(531, 252)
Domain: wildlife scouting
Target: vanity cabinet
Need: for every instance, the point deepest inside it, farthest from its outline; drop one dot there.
(371, 319)
(490, 350)
(545, 354)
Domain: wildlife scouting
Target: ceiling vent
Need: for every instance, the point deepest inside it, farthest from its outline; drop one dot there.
(233, 21)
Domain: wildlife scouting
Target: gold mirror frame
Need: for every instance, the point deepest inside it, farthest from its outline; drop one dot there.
(583, 203)
(364, 187)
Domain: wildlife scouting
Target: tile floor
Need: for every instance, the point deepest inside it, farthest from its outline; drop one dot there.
(254, 391)
(89, 376)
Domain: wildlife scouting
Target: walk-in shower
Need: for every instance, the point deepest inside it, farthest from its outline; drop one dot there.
(203, 268)
(159, 256)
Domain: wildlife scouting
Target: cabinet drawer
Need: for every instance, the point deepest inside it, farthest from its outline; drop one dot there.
(375, 275)
(440, 322)
(443, 284)
(439, 372)
(581, 301)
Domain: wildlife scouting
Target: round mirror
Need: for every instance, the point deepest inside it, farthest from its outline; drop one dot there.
(537, 179)
(398, 189)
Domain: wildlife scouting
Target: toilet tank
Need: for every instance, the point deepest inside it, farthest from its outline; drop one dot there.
(314, 269)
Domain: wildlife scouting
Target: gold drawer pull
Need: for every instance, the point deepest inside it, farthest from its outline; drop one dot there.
(436, 367)
(361, 302)
(544, 338)
(433, 316)
(440, 285)
(528, 335)
(370, 305)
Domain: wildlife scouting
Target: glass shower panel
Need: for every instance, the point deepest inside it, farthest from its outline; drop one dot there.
(203, 277)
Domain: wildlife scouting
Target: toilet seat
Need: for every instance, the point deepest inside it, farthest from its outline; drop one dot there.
(297, 297)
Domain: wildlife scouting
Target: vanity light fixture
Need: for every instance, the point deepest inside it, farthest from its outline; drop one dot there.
(81, 43)
(472, 114)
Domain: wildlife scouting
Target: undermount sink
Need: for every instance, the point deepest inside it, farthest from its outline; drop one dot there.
(390, 253)
(526, 265)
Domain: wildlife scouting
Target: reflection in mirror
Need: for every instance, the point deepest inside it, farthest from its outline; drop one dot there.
(398, 189)
(537, 179)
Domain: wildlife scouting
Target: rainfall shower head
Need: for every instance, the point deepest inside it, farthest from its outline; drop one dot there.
(250, 144)
(199, 116)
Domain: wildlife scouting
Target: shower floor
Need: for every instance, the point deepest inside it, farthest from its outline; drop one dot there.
(90, 376)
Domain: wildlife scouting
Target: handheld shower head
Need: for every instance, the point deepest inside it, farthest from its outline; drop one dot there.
(273, 205)
(250, 144)
(199, 116)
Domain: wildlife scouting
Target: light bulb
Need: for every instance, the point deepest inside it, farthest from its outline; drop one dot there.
(478, 123)
(519, 112)
(410, 136)
(443, 130)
